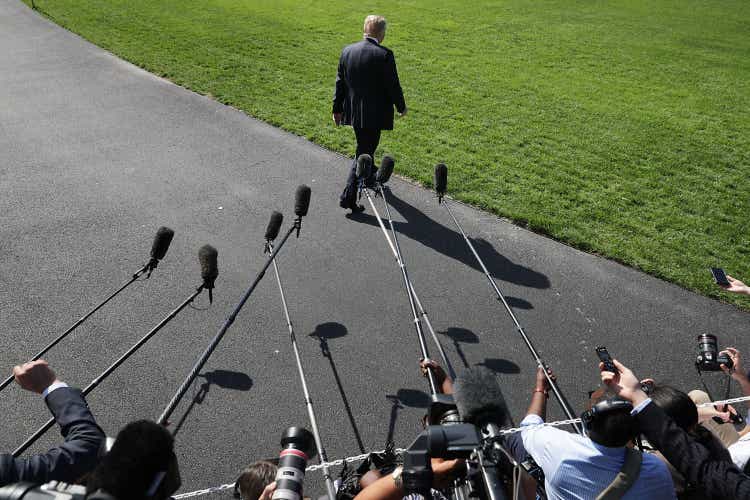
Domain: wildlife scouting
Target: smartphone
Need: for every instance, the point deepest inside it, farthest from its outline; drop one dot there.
(605, 358)
(719, 276)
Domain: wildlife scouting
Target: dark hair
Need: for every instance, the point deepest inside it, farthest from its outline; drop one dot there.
(677, 405)
(141, 451)
(614, 428)
(254, 479)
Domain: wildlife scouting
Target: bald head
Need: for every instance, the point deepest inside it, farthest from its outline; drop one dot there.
(375, 27)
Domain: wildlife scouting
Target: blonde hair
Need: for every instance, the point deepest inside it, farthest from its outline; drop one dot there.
(374, 25)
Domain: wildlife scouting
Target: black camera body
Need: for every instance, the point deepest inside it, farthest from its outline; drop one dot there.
(709, 359)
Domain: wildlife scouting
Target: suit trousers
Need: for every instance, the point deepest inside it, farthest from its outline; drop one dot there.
(367, 143)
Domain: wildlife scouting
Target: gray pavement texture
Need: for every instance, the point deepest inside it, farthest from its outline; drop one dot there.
(97, 154)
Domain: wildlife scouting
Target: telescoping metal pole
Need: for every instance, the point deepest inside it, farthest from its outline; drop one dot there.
(417, 323)
(322, 456)
(98, 380)
(440, 184)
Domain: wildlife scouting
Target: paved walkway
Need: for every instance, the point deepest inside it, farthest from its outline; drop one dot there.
(96, 154)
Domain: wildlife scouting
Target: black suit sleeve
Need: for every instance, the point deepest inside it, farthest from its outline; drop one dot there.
(72, 459)
(392, 83)
(717, 478)
(341, 88)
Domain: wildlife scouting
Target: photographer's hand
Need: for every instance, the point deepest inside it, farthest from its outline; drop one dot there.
(736, 286)
(538, 404)
(737, 372)
(625, 384)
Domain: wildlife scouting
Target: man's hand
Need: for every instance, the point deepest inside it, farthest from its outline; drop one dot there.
(35, 376)
(337, 118)
(736, 286)
(445, 471)
(736, 370)
(542, 384)
(441, 378)
(268, 491)
(625, 383)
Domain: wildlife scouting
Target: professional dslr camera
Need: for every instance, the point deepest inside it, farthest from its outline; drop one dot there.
(709, 359)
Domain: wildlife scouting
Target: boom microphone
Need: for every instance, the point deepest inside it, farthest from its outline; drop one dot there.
(301, 204)
(162, 240)
(385, 171)
(209, 269)
(479, 399)
(364, 167)
(441, 180)
(274, 225)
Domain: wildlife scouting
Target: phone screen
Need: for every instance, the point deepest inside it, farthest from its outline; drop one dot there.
(719, 276)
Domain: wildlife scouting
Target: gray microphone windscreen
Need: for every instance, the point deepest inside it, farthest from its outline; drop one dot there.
(301, 200)
(272, 231)
(441, 178)
(385, 170)
(161, 243)
(207, 256)
(479, 399)
(364, 166)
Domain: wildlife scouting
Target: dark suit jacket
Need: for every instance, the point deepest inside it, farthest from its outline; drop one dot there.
(718, 479)
(72, 459)
(367, 86)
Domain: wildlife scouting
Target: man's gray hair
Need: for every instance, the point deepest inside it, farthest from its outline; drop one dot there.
(374, 25)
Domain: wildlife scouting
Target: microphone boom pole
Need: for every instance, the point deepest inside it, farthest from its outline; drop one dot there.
(160, 245)
(308, 402)
(40, 432)
(553, 384)
(301, 204)
(407, 283)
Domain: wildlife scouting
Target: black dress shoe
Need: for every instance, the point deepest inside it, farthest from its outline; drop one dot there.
(356, 209)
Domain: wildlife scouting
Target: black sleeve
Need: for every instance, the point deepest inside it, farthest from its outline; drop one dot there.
(392, 83)
(341, 89)
(717, 478)
(72, 459)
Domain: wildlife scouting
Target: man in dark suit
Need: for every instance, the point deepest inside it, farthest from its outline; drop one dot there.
(367, 89)
(83, 438)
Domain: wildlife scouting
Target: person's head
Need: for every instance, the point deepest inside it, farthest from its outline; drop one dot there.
(612, 428)
(676, 404)
(254, 479)
(140, 465)
(375, 27)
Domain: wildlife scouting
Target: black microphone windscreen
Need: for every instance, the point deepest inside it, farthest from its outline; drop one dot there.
(441, 178)
(209, 268)
(162, 240)
(386, 169)
(479, 399)
(272, 231)
(301, 201)
(364, 166)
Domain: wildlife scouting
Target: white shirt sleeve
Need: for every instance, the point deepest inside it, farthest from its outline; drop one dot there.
(53, 387)
(547, 445)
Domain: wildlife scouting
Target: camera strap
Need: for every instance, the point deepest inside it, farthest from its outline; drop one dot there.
(629, 472)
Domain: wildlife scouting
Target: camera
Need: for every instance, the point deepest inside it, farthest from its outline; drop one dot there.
(297, 447)
(54, 490)
(709, 359)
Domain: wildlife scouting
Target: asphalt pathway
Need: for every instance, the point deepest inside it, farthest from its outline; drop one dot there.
(96, 154)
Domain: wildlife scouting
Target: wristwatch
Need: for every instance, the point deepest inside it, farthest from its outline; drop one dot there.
(397, 479)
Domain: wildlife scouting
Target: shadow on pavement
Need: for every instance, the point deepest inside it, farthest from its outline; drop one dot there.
(324, 332)
(450, 243)
(225, 379)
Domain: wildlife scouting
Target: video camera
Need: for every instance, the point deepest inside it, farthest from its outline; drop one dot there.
(53, 490)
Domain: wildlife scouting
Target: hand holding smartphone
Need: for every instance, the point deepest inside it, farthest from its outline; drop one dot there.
(720, 276)
(605, 358)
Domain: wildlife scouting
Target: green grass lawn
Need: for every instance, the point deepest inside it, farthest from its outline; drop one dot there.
(620, 127)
